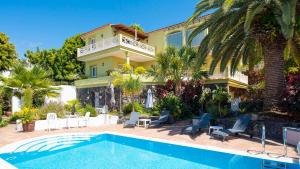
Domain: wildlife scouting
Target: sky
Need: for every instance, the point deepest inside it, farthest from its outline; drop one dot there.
(47, 23)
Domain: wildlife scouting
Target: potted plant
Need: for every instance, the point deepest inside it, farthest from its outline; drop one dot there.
(27, 117)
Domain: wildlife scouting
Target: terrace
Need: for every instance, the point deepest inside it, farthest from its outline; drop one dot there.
(170, 133)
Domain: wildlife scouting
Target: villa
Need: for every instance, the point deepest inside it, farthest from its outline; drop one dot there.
(111, 45)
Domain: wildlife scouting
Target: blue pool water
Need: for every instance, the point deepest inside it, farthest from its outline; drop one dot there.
(109, 151)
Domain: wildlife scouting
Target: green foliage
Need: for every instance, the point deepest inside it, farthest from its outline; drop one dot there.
(173, 104)
(73, 106)
(215, 101)
(30, 82)
(61, 63)
(137, 27)
(7, 53)
(3, 123)
(130, 84)
(52, 107)
(89, 108)
(177, 64)
(114, 113)
(28, 97)
(127, 109)
(27, 115)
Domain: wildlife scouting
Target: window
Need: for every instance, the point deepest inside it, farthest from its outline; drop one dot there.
(197, 39)
(175, 39)
(93, 70)
(93, 43)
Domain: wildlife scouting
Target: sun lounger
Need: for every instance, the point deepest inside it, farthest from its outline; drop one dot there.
(197, 124)
(163, 118)
(240, 126)
(134, 117)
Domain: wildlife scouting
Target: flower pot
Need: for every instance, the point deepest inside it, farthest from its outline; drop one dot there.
(8, 113)
(29, 127)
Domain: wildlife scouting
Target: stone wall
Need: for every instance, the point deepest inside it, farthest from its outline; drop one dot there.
(88, 96)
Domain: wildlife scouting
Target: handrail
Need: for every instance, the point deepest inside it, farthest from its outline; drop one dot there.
(118, 40)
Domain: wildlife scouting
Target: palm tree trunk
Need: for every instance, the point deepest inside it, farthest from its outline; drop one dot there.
(274, 74)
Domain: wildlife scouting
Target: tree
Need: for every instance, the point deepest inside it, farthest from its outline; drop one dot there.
(237, 27)
(62, 64)
(137, 27)
(30, 82)
(129, 81)
(177, 65)
(7, 53)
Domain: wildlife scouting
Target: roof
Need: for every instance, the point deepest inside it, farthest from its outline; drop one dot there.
(118, 27)
(130, 30)
(180, 23)
(94, 30)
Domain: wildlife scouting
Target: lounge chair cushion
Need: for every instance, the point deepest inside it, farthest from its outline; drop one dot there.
(234, 131)
(220, 133)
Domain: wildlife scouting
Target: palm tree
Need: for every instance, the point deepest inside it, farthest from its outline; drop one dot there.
(137, 27)
(30, 82)
(177, 65)
(130, 83)
(236, 29)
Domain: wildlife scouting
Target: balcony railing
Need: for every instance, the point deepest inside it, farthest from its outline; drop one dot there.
(119, 40)
(238, 76)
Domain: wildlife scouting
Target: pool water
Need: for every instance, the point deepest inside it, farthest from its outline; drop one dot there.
(109, 151)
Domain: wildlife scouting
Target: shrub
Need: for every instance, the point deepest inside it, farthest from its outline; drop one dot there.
(89, 108)
(291, 96)
(127, 109)
(173, 104)
(3, 123)
(251, 106)
(27, 115)
(52, 107)
(73, 106)
(114, 113)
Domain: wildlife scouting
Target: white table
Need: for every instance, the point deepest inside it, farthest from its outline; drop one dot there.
(145, 122)
(214, 128)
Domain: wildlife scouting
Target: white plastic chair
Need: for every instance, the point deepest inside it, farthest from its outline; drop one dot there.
(84, 120)
(52, 121)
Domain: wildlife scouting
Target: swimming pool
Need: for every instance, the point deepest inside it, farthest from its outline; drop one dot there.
(115, 151)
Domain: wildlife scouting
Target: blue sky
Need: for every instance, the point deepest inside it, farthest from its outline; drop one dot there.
(47, 23)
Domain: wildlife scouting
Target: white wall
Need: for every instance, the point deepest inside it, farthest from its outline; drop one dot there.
(66, 93)
(16, 104)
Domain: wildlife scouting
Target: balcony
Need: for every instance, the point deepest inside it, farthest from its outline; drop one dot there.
(121, 43)
(238, 76)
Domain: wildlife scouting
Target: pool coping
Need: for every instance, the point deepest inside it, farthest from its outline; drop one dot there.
(10, 147)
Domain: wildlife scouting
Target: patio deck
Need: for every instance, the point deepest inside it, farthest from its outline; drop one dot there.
(172, 133)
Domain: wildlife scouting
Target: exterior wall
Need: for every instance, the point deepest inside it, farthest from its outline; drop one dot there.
(104, 33)
(88, 96)
(103, 65)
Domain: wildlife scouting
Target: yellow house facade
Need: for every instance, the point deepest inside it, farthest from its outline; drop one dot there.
(111, 45)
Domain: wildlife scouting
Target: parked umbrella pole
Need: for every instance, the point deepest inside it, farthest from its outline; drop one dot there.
(284, 141)
(263, 138)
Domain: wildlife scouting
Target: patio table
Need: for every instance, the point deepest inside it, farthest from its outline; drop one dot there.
(145, 122)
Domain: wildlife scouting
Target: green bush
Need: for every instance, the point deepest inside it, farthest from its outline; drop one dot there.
(173, 104)
(127, 109)
(3, 123)
(114, 113)
(89, 108)
(52, 107)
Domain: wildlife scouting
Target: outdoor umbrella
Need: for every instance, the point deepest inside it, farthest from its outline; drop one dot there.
(112, 92)
(149, 101)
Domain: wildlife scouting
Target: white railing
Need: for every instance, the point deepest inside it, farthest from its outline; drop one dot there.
(238, 76)
(119, 40)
